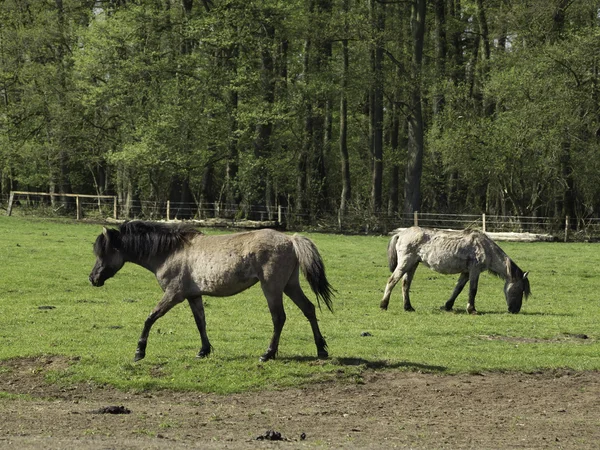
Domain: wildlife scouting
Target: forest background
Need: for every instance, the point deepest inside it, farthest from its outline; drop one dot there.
(327, 107)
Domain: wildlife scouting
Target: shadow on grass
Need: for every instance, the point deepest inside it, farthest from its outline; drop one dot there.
(383, 364)
(501, 313)
(369, 364)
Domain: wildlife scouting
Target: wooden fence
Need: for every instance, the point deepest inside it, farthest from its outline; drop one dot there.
(26, 195)
(240, 215)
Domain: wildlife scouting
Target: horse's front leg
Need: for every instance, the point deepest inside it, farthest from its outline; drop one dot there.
(275, 302)
(473, 282)
(460, 284)
(166, 303)
(197, 307)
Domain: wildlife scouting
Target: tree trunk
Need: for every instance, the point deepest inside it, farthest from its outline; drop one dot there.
(457, 57)
(63, 181)
(264, 130)
(393, 202)
(566, 167)
(488, 105)
(207, 195)
(181, 198)
(440, 55)
(345, 160)
(414, 163)
(322, 50)
(376, 109)
(302, 166)
(126, 194)
(231, 169)
(483, 30)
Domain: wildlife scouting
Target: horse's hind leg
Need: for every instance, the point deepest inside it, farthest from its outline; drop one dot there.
(391, 284)
(294, 291)
(197, 307)
(406, 282)
(275, 302)
(166, 303)
(460, 284)
(406, 275)
(473, 283)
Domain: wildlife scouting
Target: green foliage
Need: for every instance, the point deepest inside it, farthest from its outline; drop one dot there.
(46, 263)
(242, 99)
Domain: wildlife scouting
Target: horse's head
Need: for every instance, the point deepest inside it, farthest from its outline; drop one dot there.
(517, 285)
(109, 258)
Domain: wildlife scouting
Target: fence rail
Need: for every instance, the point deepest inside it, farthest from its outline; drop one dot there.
(234, 215)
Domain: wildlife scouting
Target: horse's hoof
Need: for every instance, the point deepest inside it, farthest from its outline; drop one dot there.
(322, 354)
(409, 309)
(138, 357)
(384, 306)
(445, 308)
(267, 356)
(203, 354)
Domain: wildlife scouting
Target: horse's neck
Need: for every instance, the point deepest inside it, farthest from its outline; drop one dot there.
(149, 263)
(499, 267)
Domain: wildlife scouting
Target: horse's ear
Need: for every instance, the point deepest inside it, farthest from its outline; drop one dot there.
(111, 236)
(525, 275)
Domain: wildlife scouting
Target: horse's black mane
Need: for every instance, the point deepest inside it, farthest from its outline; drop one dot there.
(145, 239)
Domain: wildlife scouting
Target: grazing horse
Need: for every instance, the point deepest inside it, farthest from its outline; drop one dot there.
(465, 252)
(188, 265)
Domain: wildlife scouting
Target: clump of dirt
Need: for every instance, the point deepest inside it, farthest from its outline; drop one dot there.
(271, 435)
(112, 410)
(389, 408)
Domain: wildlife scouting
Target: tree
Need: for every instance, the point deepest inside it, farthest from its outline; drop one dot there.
(414, 165)
(346, 192)
(376, 102)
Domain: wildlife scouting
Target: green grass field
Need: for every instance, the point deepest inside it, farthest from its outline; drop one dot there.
(46, 264)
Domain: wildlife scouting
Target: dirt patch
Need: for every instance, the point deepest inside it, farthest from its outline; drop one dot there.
(388, 409)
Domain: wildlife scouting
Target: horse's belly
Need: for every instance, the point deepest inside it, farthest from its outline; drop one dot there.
(222, 283)
(219, 289)
(446, 266)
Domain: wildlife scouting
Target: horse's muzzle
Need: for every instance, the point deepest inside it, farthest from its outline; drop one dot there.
(96, 282)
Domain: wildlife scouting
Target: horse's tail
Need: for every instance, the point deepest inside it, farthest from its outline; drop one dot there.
(392, 253)
(313, 269)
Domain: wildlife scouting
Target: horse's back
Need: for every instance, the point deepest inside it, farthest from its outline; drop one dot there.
(226, 264)
(445, 251)
(413, 237)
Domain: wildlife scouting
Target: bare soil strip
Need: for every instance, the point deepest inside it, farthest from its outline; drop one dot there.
(388, 409)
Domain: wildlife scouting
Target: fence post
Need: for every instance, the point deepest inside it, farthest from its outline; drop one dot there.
(483, 221)
(78, 207)
(168, 209)
(115, 210)
(279, 215)
(566, 228)
(416, 218)
(10, 203)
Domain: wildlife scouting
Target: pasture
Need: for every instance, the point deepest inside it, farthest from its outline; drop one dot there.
(50, 312)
